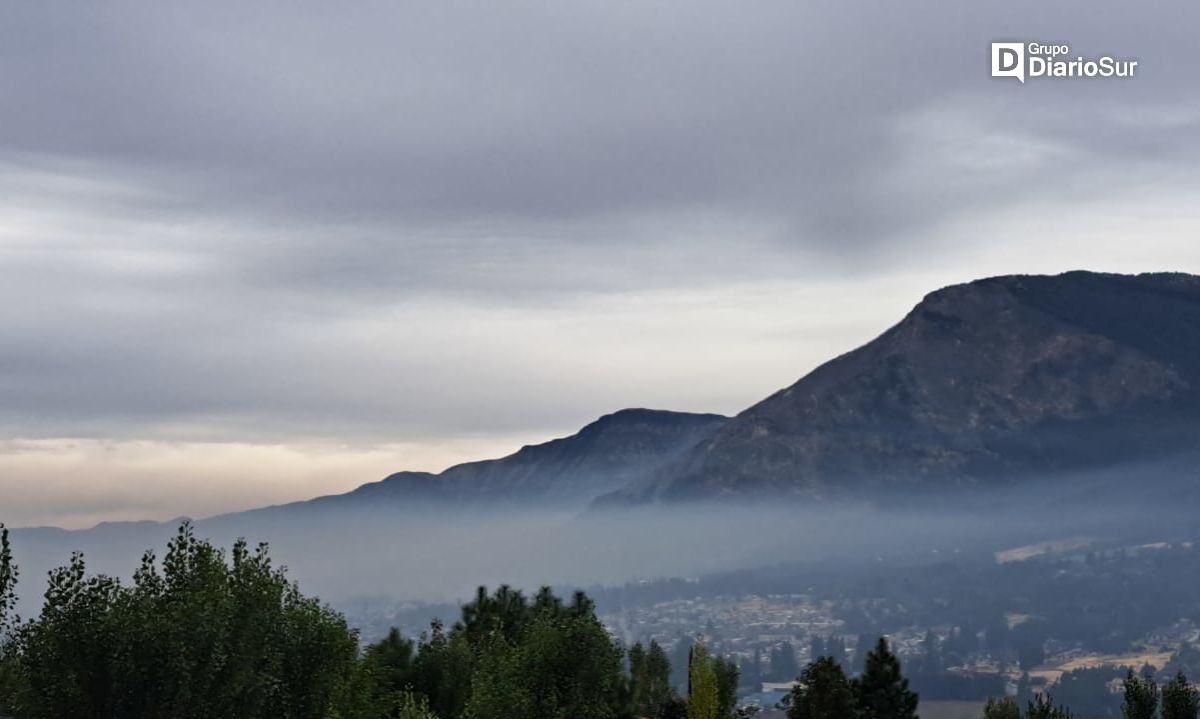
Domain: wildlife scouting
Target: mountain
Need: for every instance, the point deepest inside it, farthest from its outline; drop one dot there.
(619, 449)
(982, 383)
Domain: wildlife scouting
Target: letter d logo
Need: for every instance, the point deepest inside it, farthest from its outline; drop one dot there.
(1008, 60)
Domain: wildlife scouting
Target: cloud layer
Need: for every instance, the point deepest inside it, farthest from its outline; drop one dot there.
(466, 226)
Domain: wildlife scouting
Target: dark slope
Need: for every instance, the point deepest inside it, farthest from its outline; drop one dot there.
(618, 449)
(985, 382)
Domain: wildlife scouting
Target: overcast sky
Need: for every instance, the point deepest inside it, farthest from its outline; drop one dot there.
(253, 252)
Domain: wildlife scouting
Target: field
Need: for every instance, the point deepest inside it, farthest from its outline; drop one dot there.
(1132, 659)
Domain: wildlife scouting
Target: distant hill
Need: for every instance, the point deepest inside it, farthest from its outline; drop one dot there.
(619, 449)
(982, 383)
(1072, 399)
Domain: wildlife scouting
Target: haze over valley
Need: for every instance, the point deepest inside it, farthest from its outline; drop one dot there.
(595, 360)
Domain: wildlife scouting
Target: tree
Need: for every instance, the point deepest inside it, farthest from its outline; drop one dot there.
(1042, 707)
(835, 647)
(650, 679)
(409, 706)
(1141, 697)
(207, 634)
(443, 670)
(386, 676)
(704, 700)
(8, 600)
(823, 692)
(1180, 700)
(727, 683)
(506, 611)
(882, 690)
(1005, 708)
(563, 665)
(675, 708)
(8, 587)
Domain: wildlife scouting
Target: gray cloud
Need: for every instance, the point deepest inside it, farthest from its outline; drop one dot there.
(297, 223)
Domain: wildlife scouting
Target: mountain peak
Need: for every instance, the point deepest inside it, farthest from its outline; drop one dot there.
(986, 381)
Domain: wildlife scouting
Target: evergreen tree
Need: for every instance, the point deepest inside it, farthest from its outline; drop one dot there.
(1141, 697)
(443, 669)
(506, 611)
(637, 673)
(882, 690)
(1180, 700)
(386, 672)
(1005, 708)
(727, 683)
(1042, 707)
(704, 700)
(823, 692)
(649, 678)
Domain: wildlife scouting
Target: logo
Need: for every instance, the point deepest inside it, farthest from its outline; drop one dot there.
(1033, 60)
(1008, 60)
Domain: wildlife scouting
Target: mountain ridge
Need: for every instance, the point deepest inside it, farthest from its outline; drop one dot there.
(980, 384)
(615, 449)
(991, 380)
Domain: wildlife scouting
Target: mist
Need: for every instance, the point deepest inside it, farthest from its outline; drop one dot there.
(431, 553)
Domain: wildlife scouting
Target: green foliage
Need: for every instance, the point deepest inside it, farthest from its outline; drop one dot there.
(442, 670)
(204, 633)
(1042, 707)
(1141, 697)
(408, 706)
(506, 612)
(727, 683)
(703, 701)
(563, 665)
(650, 680)
(823, 692)
(1180, 700)
(676, 708)
(882, 690)
(1005, 708)
(208, 635)
(386, 672)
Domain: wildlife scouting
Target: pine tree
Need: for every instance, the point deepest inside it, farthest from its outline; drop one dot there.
(882, 690)
(823, 692)
(1141, 697)
(1180, 700)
